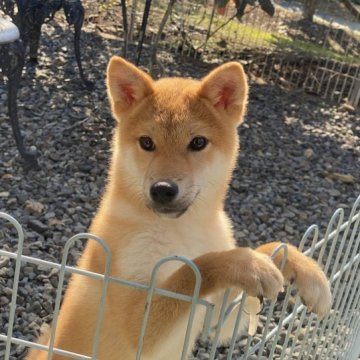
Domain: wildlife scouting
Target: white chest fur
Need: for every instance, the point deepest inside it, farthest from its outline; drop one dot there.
(159, 239)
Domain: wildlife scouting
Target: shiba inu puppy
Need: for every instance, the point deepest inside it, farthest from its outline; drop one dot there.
(174, 149)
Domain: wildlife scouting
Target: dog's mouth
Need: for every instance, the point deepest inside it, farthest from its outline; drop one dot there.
(169, 212)
(172, 211)
(174, 208)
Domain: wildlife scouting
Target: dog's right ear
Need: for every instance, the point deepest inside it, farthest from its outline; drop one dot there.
(126, 84)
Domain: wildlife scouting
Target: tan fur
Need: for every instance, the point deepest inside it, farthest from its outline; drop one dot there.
(171, 112)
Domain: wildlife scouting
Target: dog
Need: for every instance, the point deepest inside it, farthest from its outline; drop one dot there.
(174, 149)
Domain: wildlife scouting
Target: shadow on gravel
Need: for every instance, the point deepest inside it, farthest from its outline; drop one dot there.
(291, 145)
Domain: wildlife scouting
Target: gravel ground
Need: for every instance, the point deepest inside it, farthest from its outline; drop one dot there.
(293, 148)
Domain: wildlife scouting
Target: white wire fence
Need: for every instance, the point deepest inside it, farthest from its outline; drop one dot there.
(286, 331)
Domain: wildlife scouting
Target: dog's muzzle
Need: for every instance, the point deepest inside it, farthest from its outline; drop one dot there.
(164, 196)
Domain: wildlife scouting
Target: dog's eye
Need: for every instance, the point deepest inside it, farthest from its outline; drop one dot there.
(146, 143)
(198, 143)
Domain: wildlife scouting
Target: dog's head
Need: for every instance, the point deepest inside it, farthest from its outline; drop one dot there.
(176, 141)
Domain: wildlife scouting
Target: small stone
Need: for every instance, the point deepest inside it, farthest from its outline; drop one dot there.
(55, 222)
(301, 335)
(282, 338)
(4, 261)
(71, 211)
(344, 178)
(242, 342)
(7, 291)
(204, 356)
(32, 276)
(297, 323)
(34, 207)
(309, 153)
(4, 194)
(54, 156)
(28, 269)
(37, 226)
(7, 177)
(236, 184)
(289, 229)
(278, 349)
(48, 307)
(334, 192)
(11, 202)
(4, 300)
(36, 307)
(49, 215)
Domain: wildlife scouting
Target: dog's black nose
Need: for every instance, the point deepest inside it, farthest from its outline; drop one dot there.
(163, 192)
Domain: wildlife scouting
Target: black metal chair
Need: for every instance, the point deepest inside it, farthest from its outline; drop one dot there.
(12, 63)
(29, 16)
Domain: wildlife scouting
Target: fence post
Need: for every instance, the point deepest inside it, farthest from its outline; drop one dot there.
(355, 353)
(354, 97)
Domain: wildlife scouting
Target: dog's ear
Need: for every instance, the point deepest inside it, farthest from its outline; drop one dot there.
(126, 84)
(226, 89)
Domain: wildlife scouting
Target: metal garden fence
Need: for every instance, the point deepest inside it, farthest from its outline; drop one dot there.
(287, 331)
(321, 57)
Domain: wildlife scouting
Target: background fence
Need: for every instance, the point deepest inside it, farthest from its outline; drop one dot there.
(286, 332)
(321, 57)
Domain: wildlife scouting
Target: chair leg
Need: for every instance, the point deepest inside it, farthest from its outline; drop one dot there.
(34, 37)
(74, 13)
(12, 67)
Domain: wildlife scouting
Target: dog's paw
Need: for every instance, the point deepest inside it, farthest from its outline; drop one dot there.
(263, 278)
(270, 278)
(313, 288)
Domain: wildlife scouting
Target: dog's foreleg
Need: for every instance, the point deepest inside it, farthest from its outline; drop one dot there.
(306, 275)
(242, 268)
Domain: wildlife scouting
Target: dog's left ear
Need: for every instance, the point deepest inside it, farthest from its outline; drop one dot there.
(227, 90)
